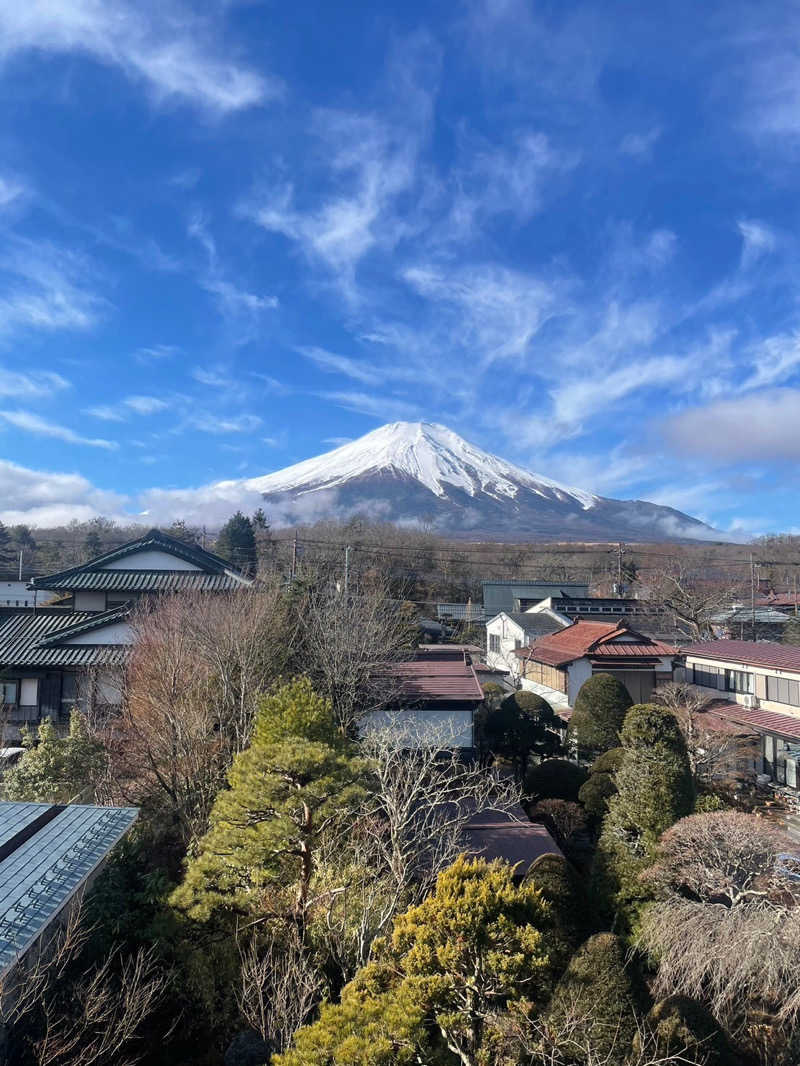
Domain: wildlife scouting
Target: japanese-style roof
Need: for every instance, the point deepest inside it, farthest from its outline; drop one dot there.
(214, 574)
(748, 652)
(47, 853)
(605, 640)
(782, 725)
(436, 681)
(33, 638)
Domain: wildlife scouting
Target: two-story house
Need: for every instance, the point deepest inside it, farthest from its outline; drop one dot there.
(510, 630)
(53, 657)
(556, 666)
(754, 684)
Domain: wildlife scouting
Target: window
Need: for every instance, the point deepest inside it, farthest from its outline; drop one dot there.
(706, 676)
(517, 643)
(494, 643)
(782, 690)
(8, 691)
(738, 681)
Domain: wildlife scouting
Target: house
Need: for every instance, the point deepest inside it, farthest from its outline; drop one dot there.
(757, 685)
(512, 837)
(434, 697)
(53, 658)
(15, 594)
(556, 666)
(49, 855)
(510, 630)
(519, 595)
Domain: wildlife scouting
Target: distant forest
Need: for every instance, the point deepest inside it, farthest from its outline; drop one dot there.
(423, 566)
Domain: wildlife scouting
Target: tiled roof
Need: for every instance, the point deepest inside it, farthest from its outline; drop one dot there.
(436, 680)
(784, 725)
(94, 575)
(46, 854)
(141, 581)
(749, 652)
(592, 639)
(534, 621)
(30, 639)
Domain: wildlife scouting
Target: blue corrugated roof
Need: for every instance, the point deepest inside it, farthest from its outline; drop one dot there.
(44, 871)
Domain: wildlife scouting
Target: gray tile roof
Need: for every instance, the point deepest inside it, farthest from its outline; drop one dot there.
(48, 853)
(537, 622)
(29, 639)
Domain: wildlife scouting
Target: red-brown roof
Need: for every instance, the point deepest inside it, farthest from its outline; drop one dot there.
(494, 835)
(785, 725)
(592, 639)
(437, 680)
(749, 652)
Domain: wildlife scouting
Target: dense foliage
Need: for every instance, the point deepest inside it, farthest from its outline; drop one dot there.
(600, 709)
(555, 779)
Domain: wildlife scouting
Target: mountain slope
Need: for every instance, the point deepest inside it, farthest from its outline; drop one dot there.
(421, 473)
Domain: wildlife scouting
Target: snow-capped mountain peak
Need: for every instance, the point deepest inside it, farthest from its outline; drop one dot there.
(430, 454)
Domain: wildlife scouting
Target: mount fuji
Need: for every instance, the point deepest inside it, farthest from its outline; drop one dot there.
(419, 473)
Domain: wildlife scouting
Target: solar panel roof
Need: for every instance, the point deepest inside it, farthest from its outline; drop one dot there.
(47, 853)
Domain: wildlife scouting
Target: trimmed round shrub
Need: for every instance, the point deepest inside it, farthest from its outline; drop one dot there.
(602, 995)
(595, 793)
(555, 779)
(608, 762)
(492, 690)
(682, 1026)
(599, 712)
(569, 918)
(529, 703)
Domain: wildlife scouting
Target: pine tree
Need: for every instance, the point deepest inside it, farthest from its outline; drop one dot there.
(568, 920)
(524, 724)
(259, 854)
(237, 543)
(7, 554)
(56, 769)
(600, 709)
(452, 963)
(654, 789)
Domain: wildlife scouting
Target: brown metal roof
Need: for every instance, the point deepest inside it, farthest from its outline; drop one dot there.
(783, 725)
(436, 680)
(749, 652)
(495, 835)
(623, 649)
(592, 639)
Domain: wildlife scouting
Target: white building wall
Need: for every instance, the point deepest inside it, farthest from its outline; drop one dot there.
(87, 600)
(414, 729)
(757, 672)
(508, 633)
(150, 560)
(117, 633)
(578, 672)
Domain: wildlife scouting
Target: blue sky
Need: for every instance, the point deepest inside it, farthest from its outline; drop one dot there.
(235, 234)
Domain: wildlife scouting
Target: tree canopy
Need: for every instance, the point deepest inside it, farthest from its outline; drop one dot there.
(237, 543)
(600, 709)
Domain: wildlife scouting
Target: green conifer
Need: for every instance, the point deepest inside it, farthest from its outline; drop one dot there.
(600, 709)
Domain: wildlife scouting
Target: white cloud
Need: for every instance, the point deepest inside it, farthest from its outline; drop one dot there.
(758, 239)
(387, 408)
(156, 353)
(762, 426)
(581, 398)
(231, 299)
(366, 373)
(171, 50)
(145, 405)
(44, 287)
(774, 360)
(10, 190)
(493, 310)
(104, 412)
(35, 384)
(41, 498)
(219, 424)
(640, 145)
(41, 427)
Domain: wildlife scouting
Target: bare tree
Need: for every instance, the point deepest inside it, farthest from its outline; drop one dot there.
(713, 748)
(349, 640)
(69, 1015)
(695, 597)
(197, 666)
(280, 987)
(727, 923)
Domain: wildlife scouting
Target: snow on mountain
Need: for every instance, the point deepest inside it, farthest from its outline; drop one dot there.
(421, 474)
(431, 454)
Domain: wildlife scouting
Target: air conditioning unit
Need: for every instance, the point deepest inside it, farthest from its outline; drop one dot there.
(749, 700)
(791, 771)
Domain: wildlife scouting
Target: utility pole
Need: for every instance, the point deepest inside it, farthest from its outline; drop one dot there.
(620, 553)
(795, 592)
(753, 594)
(346, 571)
(294, 555)
(20, 564)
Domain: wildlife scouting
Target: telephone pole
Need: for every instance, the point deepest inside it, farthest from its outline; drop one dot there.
(753, 594)
(346, 571)
(294, 555)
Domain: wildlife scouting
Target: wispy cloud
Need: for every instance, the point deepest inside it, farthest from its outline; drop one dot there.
(45, 287)
(384, 407)
(11, 190)
(174, 53)
(758, 239)
(41, 427)
(357, 369)
(753, 428)
(156, 353)
(640, 145)
(34, 384)
(232, 300)
(145, 405)
(105, 412)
